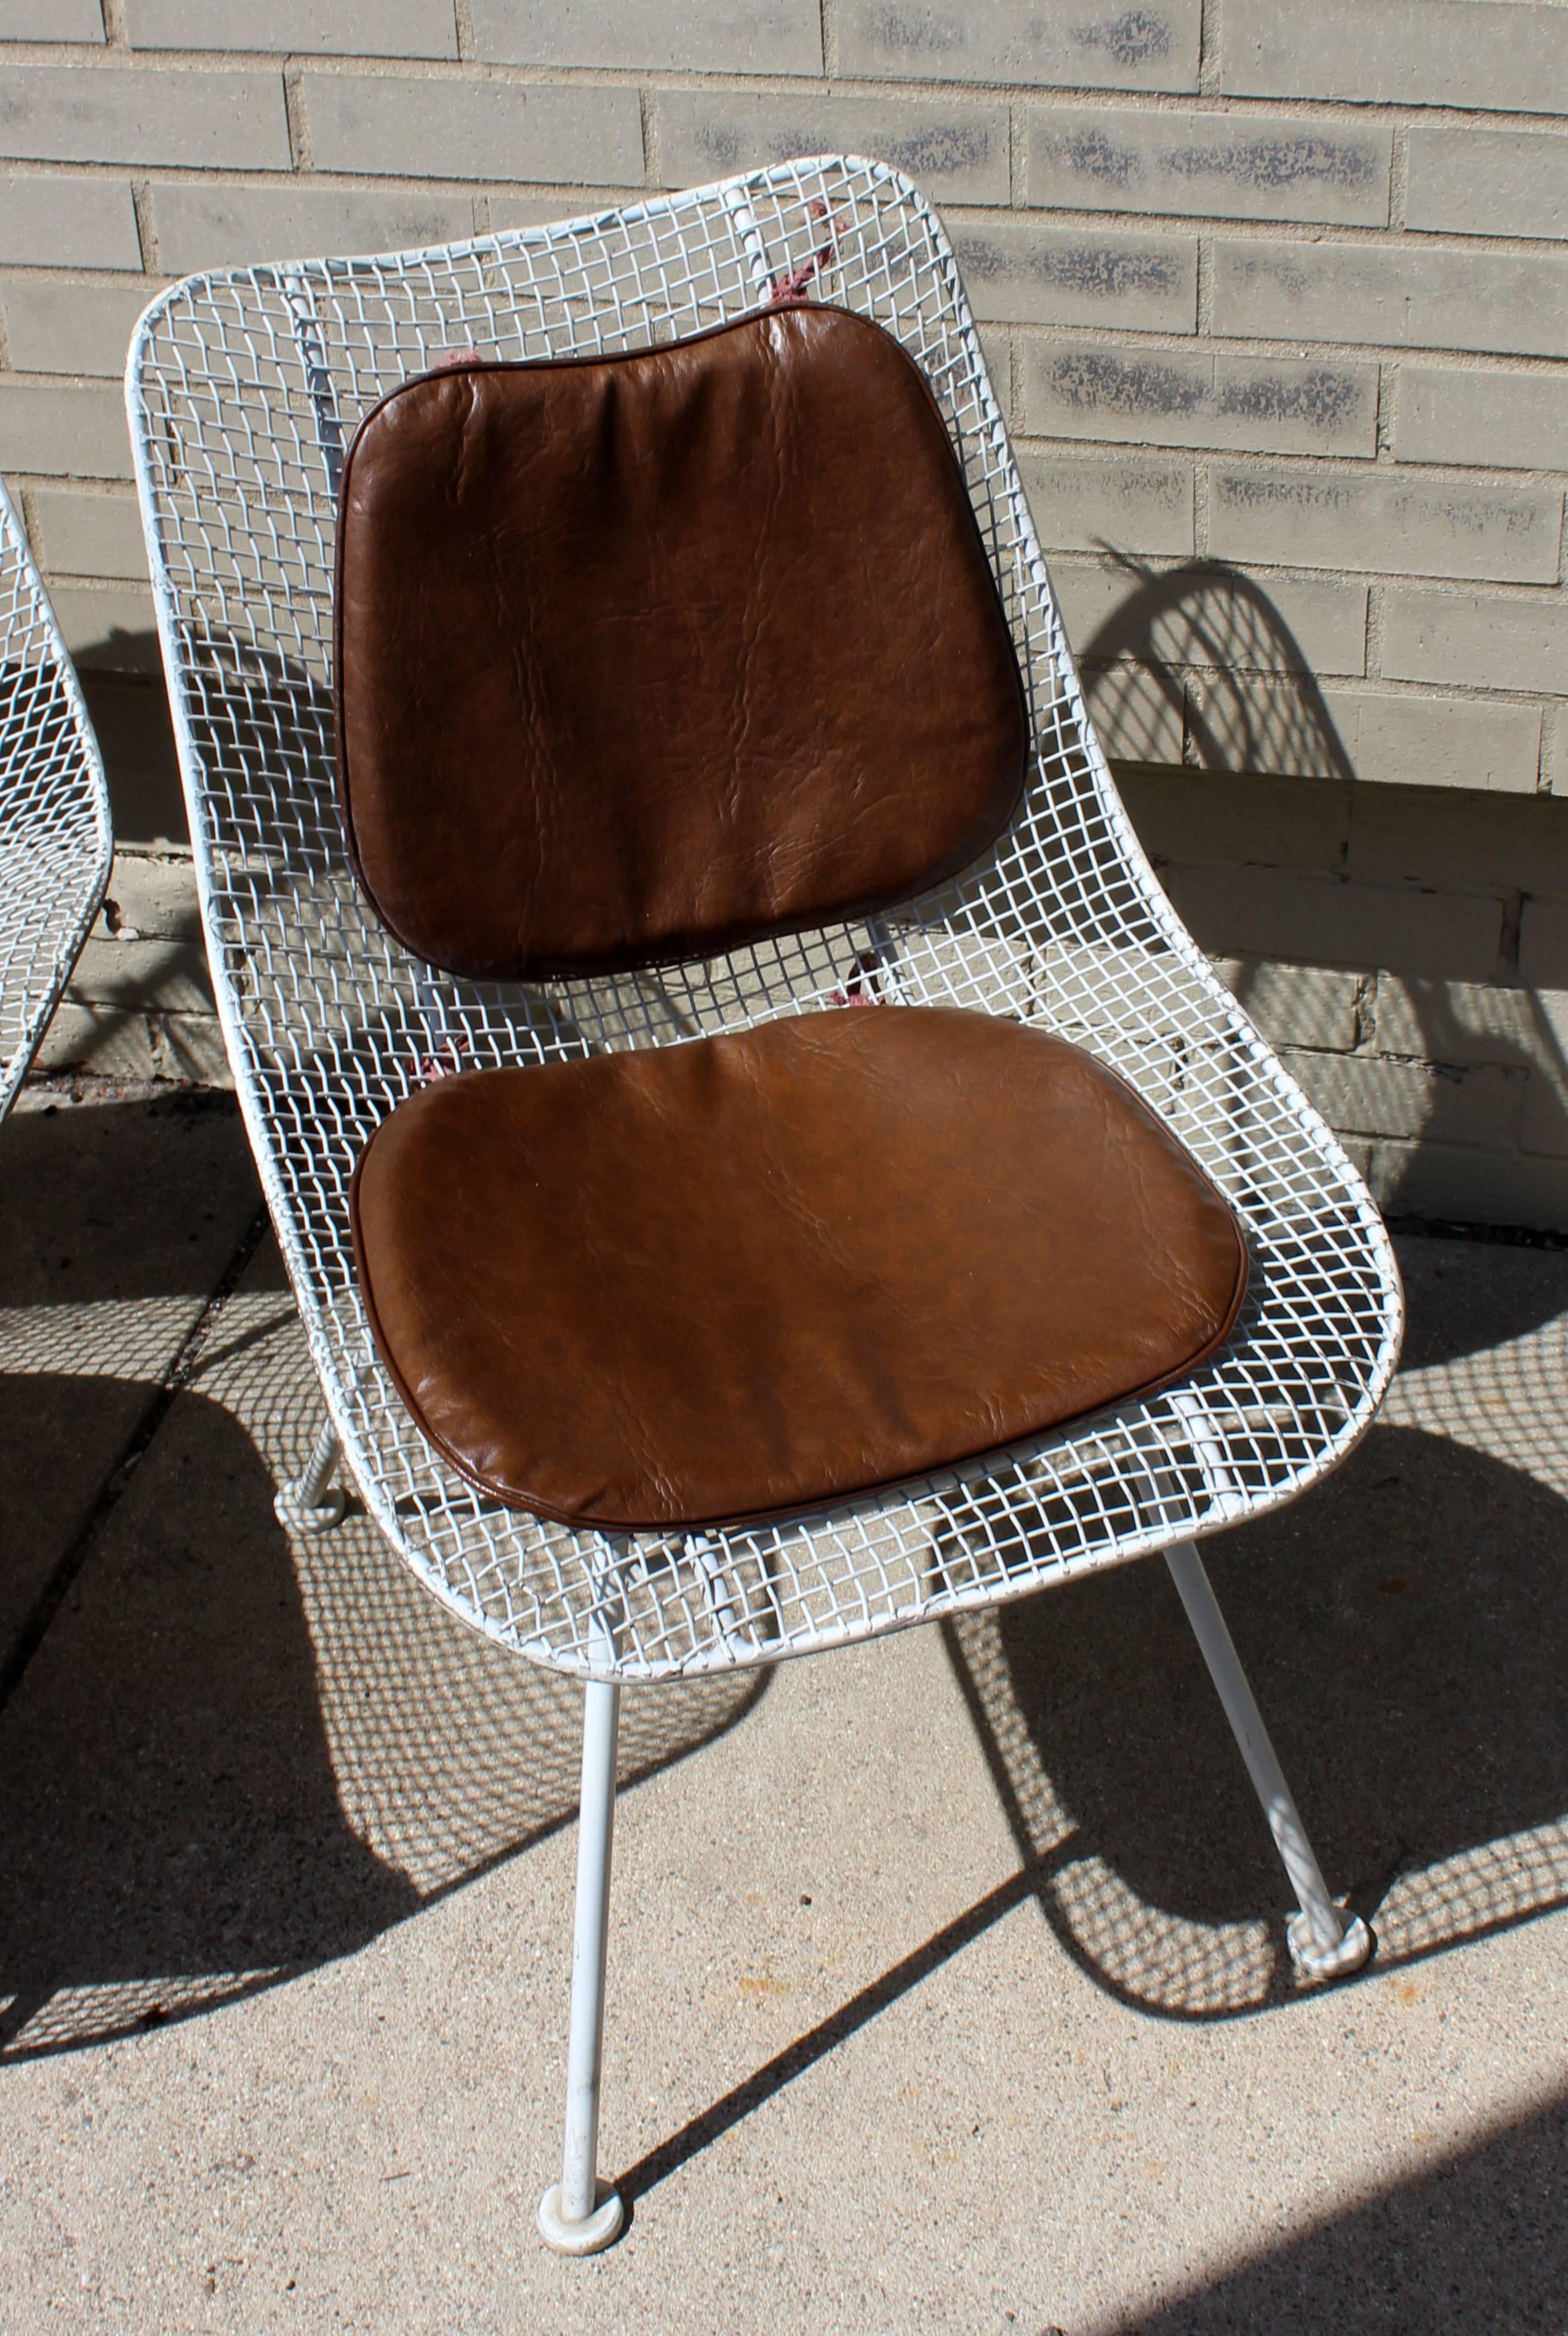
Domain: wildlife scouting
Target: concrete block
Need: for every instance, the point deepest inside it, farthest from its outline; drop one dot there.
(1395, 297)
(1544, 1124)
(51, 20)
(1508, 420)
(190, 1046)
(56, 222)
(1020, 274)
(1212, 614)
(957, 151)
(55, 327)
(348, 28)
(1388, 525)
(509, 210)
(131, 714)
(1125, 505)
(1296, 1005)
(1276, 912)
(149, 898)
(88, 535)
(117, 1043)
(77, 433)
(1544, 944)
(1358, 1149)
(114, 1044)
(979, 974)
(137, 975)
(1452, 842)
(1491, 747)
(395, 127)
(1468, 1185)
(1136, 710)
(1460, 1022)
(206, 226)
(996, 347)
(1367, 1094)
(1462, 637)
(1488, 182)
(1208, 165)
(1278, 724)
(1218, 818)
(1507, 55)
(739, 36)
(1041, 44)
(111, 628)
(1544, 1127)
(208, 120)
(1169, 397)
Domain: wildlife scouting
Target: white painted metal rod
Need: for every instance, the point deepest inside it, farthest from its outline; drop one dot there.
(1326, 1923)
(319, 1468)
(596, 1829)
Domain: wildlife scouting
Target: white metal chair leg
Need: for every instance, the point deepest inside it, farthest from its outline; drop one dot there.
(313, 1502)
(1324, 1942)
(579, 2214)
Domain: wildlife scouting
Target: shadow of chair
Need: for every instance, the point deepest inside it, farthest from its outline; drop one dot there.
(231, 1759)
(1198, 665)
(1367, 1588)
(188, 1814)
(1420, 1587)
(1475, 2243)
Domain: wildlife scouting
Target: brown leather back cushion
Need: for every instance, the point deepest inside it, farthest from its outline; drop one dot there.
(643, 657)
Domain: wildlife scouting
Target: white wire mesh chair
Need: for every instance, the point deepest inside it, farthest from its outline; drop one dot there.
(243, 388)
(55, 843)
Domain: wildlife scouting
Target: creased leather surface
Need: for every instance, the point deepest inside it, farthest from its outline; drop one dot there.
(750, 1273)
(642, 656)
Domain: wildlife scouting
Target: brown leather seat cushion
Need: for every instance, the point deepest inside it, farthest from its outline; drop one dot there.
(644, 655)
(756, 1273)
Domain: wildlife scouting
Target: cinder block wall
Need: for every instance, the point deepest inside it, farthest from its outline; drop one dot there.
(1276, 293)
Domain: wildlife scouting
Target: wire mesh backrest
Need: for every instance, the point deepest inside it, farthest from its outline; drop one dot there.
(54, 838)
(244, 389)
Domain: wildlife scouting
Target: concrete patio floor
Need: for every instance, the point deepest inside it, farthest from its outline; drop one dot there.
(946, 1984)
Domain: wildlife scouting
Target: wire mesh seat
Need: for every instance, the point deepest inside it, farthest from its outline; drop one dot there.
(55, 830)
(243, 388)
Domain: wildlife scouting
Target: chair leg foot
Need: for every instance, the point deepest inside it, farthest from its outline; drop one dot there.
(1325, 1941)
(1313, 1962)
(596, 2231)
(312, 1502)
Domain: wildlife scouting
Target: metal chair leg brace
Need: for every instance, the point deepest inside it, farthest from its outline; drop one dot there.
(1324, 1942)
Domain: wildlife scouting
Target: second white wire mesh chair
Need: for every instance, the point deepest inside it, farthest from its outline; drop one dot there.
(243, 388)
(55, 843)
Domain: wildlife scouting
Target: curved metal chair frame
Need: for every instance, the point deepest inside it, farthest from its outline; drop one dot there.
(55, 843)
(243, 389)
